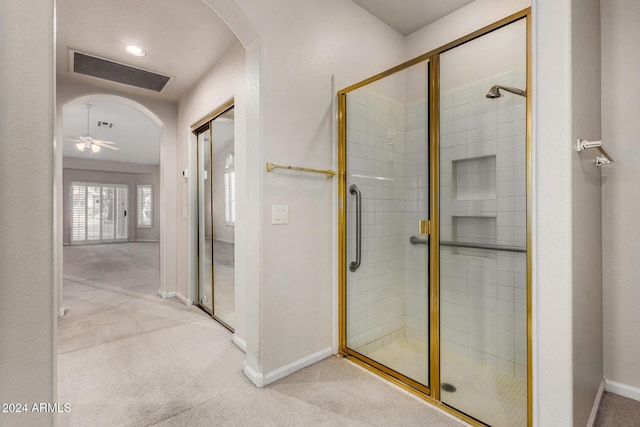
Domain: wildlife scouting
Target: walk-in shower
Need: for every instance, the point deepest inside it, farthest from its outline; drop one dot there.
(434, 246)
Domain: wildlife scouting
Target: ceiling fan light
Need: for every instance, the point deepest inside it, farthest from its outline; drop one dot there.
(95, 148)
(80, 147)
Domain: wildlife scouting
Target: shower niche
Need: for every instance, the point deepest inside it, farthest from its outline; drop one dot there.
(433, 245)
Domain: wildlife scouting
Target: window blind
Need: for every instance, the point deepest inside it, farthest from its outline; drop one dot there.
(145, 206)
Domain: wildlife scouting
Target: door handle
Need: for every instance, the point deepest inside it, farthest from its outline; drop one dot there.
(353, 189)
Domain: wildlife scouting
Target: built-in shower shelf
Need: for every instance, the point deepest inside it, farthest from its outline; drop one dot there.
(474, 178)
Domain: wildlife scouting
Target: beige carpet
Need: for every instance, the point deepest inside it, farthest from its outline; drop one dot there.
(618, 411)
(129, 358)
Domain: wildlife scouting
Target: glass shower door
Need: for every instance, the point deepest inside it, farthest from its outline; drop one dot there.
(483, 213)
(386, 265)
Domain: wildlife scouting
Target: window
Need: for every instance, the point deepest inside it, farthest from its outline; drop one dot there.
(145, 206)
(229, 191)
(99, 213)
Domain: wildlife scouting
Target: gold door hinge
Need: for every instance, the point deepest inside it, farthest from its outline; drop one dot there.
(424, 226)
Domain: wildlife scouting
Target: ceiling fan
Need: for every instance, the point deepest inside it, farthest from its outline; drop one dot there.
(89, 143)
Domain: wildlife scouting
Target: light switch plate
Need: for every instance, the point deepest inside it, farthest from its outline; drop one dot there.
(279, 214)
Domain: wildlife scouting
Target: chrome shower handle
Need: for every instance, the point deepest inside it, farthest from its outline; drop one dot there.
(353, 189)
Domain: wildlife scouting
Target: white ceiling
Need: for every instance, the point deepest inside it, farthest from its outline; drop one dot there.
(183, 39)
(407, 16)
(137, 136)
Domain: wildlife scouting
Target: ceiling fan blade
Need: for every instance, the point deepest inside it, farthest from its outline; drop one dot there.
(106, 144)
(73, 140)
(102, 141)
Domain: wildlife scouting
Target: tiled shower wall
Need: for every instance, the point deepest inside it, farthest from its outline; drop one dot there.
(387, 158)
(483, 200)
(375, 163)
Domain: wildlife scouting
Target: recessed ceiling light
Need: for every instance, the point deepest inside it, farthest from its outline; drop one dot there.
(135, 50)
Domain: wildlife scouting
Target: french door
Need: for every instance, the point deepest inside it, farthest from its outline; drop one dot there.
(99, 213)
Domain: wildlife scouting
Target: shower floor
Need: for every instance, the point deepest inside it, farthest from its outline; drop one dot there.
(407, 356)
(494, 398)
(482, 392)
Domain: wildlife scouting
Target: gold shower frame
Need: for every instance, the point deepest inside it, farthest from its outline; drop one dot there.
(431, 393)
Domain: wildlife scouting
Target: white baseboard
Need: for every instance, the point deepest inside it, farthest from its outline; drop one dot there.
(62, 311)
(242, 344)
(596, 404)
(145, 241)
(184, 300)
(275, 375)
(623, 390)
(261, 380)
(256, 378)
(166, 295)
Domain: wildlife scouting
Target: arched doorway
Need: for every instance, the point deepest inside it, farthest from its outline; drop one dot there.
(142, 161)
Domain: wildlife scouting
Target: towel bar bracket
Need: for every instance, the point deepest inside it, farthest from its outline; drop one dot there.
(604, 159)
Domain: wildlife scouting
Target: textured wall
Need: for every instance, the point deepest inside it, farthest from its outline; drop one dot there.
(586, 211)
(27, 327)
(620, 202)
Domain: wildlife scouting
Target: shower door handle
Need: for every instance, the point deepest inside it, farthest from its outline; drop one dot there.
(353, 189)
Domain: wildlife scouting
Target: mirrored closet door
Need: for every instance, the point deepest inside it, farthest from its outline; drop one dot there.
(216, 191)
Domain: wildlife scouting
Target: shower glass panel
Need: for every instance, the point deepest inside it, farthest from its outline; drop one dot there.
(483, 238)
(387, 193)
(224, 200)
(205, 223)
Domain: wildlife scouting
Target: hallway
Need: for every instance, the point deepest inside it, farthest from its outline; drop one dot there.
(129, 358)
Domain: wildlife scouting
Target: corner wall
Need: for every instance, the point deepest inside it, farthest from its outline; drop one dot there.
(567, 206)
(620, 201)
(586, 211)
(225, 80)
(27, 325)
(304, 43)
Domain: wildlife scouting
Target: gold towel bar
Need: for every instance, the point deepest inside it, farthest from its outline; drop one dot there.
(272, 166)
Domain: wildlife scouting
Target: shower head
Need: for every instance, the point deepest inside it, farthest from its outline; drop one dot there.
(494, 92)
